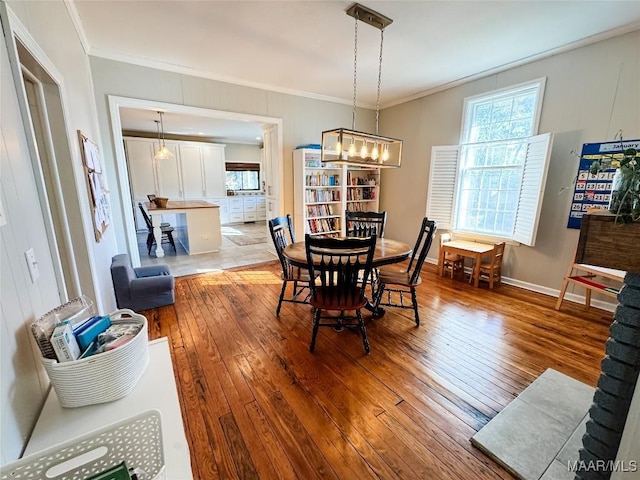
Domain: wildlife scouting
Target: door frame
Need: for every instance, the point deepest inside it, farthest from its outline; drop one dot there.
(69, 285)
(122, 172)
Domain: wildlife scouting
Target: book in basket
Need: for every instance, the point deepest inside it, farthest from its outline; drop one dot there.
(106, 376)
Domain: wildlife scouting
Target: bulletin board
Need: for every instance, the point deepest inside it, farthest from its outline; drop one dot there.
(96, 185)
(592, 192)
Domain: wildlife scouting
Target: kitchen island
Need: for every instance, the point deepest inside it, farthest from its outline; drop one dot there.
(197, 225)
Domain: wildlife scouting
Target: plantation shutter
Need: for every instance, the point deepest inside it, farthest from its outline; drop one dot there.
(442, 185)
(534, 177)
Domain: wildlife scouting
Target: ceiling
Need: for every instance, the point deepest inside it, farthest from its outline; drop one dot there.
(306, 47)
(217, 129)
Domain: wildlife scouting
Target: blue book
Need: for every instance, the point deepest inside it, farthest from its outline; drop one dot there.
(90, 331)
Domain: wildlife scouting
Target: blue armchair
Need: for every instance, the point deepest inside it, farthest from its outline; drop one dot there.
(141, 288)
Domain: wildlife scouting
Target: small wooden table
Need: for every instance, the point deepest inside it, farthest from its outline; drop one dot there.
(387, 252)
(474, 250)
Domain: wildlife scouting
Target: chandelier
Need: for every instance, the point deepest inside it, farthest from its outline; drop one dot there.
(349, 146)
(163, 152)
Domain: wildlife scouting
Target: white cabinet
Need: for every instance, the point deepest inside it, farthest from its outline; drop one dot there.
(142, 174)
(169, 178)
(196, 171)
(323, 192)
(155, 390)
(223, 203)
(261, 208)
(191, 169)
(247, 208)
(213, 167)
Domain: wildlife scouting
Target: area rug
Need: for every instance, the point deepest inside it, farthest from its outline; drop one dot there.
(241, 239)
(538, 435)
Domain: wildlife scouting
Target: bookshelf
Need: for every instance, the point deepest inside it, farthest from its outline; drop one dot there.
(323, 192)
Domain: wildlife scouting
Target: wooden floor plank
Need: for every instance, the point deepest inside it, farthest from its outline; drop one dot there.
(257, 404)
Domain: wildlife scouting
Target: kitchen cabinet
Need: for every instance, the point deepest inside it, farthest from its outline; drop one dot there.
(224, 208)
(213, 158)
(191, 170)
(196, 172)
(247, 208)
(169, 175)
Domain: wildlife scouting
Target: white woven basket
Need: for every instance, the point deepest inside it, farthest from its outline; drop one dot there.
(103, 377)
(136, 440)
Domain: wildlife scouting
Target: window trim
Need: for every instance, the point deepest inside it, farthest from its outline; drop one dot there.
(442, 186)
(513, 90)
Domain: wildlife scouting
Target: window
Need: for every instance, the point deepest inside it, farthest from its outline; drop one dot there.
(242, 176)
(492, 183)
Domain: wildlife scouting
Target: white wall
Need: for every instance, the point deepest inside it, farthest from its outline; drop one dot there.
(22, 383)
(591, 93)
(303, 119)
(235, 152)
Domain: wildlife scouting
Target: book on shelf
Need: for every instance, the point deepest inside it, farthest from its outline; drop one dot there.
(322, 210)
(322, 180)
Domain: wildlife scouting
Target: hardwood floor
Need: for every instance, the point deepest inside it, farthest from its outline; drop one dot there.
(257, 404)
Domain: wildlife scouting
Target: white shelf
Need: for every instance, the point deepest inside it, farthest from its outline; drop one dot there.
(303, 171)
(324, 216)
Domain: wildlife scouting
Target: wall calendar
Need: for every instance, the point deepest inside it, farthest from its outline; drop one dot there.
(593, 191)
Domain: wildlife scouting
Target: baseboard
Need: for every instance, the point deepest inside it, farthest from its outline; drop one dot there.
(552, 292)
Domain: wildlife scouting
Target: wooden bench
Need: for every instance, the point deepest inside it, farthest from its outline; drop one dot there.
(585, 275)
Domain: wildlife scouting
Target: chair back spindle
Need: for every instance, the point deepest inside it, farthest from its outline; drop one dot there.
(365, 224)
(339, 264)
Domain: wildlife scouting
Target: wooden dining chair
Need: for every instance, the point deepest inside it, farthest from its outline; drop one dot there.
(396, 280)
(281, 229)
(337, 264)
(365, 224)
(491, 270)
(165, 228)
(452, 261)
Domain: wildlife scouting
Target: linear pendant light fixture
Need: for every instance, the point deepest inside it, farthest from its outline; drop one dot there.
(351, 147)
(163, 152)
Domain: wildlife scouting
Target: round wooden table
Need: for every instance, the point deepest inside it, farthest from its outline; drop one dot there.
(387, 251)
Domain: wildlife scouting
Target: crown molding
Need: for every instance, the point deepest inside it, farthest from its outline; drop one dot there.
(77, 23)
(169, 67)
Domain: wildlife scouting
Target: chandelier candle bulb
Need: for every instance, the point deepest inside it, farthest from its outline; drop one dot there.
(363, 150)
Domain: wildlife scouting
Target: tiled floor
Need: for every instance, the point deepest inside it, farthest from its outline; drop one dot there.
(229, 256)
(537, 436)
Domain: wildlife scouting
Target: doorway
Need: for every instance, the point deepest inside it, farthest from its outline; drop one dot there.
(44, 119)
(230, 254)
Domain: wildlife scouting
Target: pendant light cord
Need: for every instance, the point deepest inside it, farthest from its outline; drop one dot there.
(379, 79)
(355, 72)
(162, 128)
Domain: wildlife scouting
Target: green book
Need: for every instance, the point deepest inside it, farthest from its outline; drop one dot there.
(119, 472)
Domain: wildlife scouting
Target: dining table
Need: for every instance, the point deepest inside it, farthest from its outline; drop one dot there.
(387, 252)
(475, 250)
